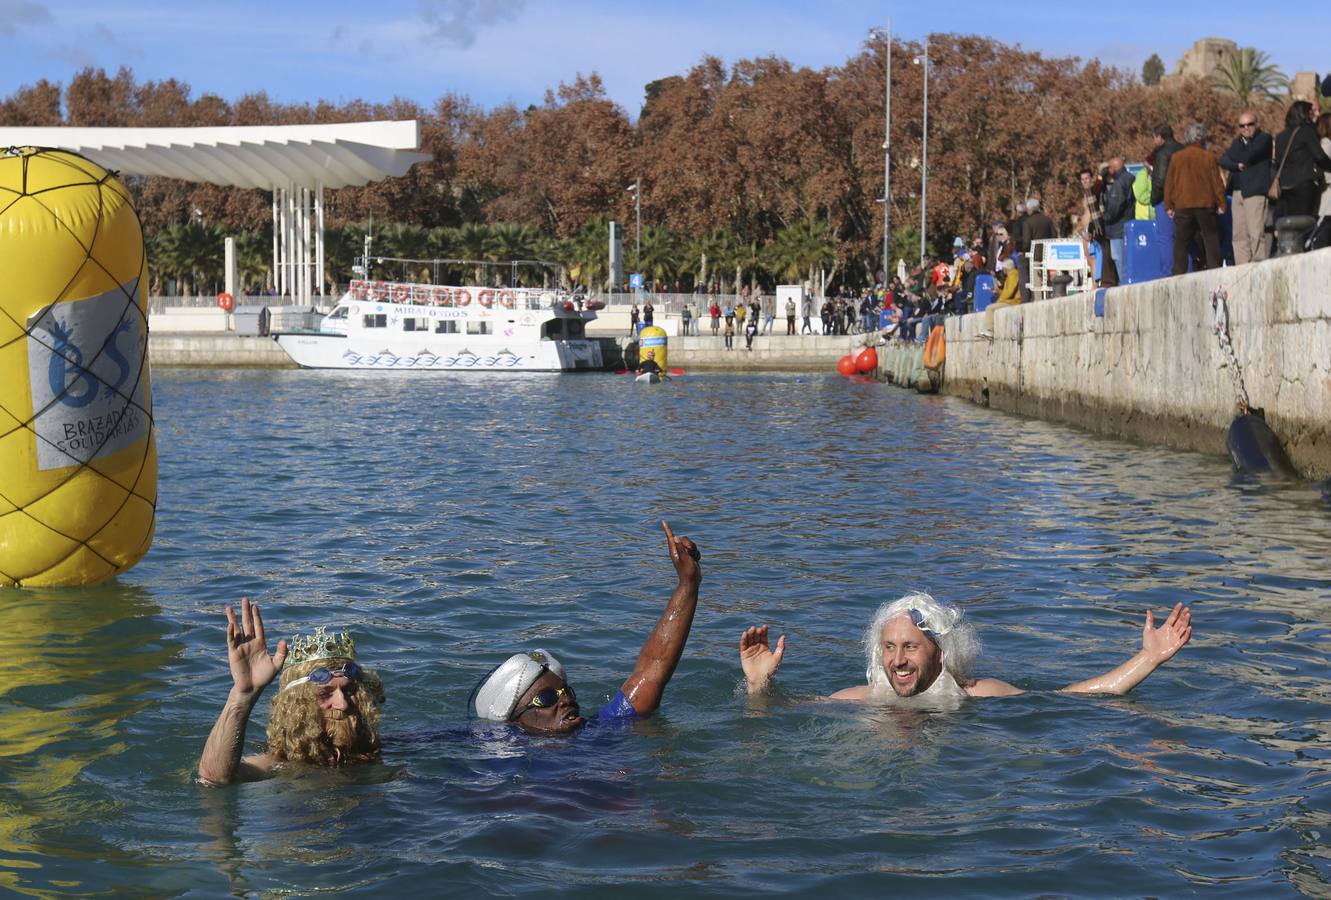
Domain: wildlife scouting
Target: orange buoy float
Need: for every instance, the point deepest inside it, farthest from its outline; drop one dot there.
(486, 298)
(935, 349)
(226, 301)
(846, 365)
(508, 300)
(867, 361)
(461, 297)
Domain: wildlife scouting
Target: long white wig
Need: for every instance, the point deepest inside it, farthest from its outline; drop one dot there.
(942, 622)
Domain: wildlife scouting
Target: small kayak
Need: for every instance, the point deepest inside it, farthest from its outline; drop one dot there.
(649, 378)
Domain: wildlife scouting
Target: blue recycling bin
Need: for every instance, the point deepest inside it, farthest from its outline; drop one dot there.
(1143, 259)
(984, 292)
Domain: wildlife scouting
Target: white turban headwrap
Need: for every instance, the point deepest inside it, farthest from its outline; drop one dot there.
(497, 695)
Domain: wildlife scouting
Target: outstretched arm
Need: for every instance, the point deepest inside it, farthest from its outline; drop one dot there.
(1158, 645)
(251, 671)
(664, 646)
(757, 658)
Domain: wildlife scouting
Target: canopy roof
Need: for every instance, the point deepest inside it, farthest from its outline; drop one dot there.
(251, 156)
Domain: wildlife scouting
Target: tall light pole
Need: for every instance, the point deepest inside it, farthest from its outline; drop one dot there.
(924, 156)
(636, 190)
(886, 37)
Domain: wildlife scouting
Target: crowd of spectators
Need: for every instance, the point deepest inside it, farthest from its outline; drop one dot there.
(1209, 210)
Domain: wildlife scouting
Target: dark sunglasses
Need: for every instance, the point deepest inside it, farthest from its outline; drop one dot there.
(548, 697)
(1247, 124)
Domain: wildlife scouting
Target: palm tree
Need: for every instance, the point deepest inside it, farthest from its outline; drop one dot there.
(1249, 75)
(469, 243)
(748, 257)
(254, 251)
(661, 254)
(508, 241)
(406, 241)
(585, 255)
(798, 249)
(706, 254)
(190, 251)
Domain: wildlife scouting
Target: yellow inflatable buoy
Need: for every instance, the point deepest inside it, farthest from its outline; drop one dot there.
(652, 340)
(78, 455)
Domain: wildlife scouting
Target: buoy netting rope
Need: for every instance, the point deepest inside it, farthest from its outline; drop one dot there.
(105, 182)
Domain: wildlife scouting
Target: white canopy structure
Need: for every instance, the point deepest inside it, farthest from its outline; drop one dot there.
(295, 162)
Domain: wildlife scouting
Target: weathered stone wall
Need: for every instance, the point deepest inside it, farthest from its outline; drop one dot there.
(818, 353)
(1150, 368)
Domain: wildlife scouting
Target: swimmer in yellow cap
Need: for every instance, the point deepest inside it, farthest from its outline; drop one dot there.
(921, 651)
(531, 690)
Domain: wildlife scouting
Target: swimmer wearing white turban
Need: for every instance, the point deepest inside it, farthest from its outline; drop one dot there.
(531, 691)
(919, 651)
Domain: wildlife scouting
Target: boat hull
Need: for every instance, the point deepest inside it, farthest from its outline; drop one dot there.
(477, 353)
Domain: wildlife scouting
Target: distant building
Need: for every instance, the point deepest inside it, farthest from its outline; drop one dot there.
(1201, 60)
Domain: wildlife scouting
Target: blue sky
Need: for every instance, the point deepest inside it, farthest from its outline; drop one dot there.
(495, 51)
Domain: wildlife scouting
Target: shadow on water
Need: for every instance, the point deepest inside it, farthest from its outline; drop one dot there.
(75, 665)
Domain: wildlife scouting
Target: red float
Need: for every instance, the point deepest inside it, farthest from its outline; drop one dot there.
(846, 365)
(867, 361)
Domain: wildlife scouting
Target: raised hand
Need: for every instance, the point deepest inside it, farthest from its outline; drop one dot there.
(684, 555)
(247, 650)
(757, 658)
(1161, 643)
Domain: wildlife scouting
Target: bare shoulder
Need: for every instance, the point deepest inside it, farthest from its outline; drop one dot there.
(859, 692)
(990, 687)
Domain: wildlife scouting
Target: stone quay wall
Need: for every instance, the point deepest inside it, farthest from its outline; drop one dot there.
(1143, 361)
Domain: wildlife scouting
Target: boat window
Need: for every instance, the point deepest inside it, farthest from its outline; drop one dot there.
(478, 328)
(339, 313)
(415, 324)
(446, 326)
(376, 321)
(574, 329)
(553, 330)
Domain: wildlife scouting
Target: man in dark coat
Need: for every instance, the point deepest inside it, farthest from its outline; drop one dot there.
(1037, 227)
(1165, 147)
(1249, 158)
(1119, 206)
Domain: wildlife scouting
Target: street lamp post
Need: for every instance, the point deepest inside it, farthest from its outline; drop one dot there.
(886, 37)
(636, 190)
(924, 157)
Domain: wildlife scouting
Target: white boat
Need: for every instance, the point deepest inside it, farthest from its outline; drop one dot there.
(427, 327)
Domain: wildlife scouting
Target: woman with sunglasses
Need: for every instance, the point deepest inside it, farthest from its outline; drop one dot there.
(530, 689)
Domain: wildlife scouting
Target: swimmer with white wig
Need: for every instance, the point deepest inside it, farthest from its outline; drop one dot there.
(921, 651)
(530, 689)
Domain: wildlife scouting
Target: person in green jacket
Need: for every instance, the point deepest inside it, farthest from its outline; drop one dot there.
(1141, 193)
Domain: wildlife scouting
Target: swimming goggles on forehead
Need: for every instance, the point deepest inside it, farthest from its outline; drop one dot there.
(919, 621)
(351, 672)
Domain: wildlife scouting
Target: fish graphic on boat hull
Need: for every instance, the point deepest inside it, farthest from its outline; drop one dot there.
(424, 359)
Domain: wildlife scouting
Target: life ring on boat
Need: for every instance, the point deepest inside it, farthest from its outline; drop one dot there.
(400, 293)
(440, 296)
(360, 290)
(225, 301)
(508, 300)
(462, 297)
(421, 294)
(486, 298)
(935, 349)
(378, 290)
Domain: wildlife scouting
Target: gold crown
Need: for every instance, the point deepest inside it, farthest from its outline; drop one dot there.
(321, 645)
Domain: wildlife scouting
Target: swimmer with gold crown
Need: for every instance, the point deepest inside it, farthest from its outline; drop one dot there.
(326, 712)
(920, 651)
(530, 689)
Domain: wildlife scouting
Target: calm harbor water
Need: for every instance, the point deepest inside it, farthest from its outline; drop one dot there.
(450, 521)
